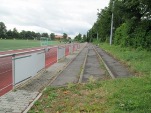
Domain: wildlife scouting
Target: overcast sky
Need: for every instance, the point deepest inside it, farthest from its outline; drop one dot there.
(57, 16)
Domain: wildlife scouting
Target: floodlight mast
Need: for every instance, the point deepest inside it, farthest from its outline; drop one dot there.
(97, 27)
(111, 32)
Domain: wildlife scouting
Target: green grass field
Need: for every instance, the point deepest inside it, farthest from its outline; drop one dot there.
(21, 44)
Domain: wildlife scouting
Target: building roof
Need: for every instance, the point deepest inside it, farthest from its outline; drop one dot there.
(58, 36)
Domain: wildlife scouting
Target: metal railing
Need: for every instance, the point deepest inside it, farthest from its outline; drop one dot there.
(17, 67)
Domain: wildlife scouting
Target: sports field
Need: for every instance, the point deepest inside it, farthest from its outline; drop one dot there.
(21, 44)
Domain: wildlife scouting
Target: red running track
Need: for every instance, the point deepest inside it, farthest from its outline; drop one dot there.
(19, 50)
(6, 78)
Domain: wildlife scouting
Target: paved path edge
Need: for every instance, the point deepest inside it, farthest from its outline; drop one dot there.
(106, 66)
(29, 107)
(83, 68)
(57, 74)
(28, 80)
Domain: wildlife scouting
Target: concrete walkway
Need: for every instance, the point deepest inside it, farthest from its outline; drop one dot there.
(72, 73)
(17, 101)
(116, 68)
(88, 60)
(93, 69)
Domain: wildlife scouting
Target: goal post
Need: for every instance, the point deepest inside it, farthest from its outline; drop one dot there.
(44, 41)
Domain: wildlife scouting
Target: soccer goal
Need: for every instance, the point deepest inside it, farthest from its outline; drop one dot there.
(44, 41)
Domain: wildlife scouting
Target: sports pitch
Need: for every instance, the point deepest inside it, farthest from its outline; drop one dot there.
(21, 44)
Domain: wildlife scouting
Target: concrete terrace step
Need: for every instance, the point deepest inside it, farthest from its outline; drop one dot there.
(93, 69)
(71, 73)
(116, 68)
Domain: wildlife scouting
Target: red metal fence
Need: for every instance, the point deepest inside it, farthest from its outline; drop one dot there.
(75, 47)
(50, 57)
(6, 74)
(67, 50)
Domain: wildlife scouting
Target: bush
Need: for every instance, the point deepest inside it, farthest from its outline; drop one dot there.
(136, 35)
(122, 35)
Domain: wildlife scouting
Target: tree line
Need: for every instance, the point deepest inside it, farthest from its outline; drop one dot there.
(14, 34)
(80, 38)
(132, 24)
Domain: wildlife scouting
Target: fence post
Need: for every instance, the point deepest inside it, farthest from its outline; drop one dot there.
(13, 70)
(72, 48)
(57, 53)
(64, 51)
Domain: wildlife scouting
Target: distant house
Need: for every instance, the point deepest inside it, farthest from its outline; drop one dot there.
(58, 37)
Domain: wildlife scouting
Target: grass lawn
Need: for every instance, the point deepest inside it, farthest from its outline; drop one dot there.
(21, 44)
(127, 95)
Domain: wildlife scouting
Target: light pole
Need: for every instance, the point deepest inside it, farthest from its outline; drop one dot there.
(97, 26)
(111, 33)
(97, 36)
(87, 35)
(91, 34)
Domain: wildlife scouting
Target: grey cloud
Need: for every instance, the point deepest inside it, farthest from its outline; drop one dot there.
(70, 16)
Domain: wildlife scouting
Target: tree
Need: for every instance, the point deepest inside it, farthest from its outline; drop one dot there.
(33, 35)
(65, 36)
(102, 25)
(132, 24)
(2, 30)
(45, 35)
(9, 34)
(69, 39)
(136, 9)
(84, 38)
(52, 36)
(15, 33)
(91, 34)
(28, 35)
(137, 24)
(38, 35)
(23, 34)
(78, 37)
